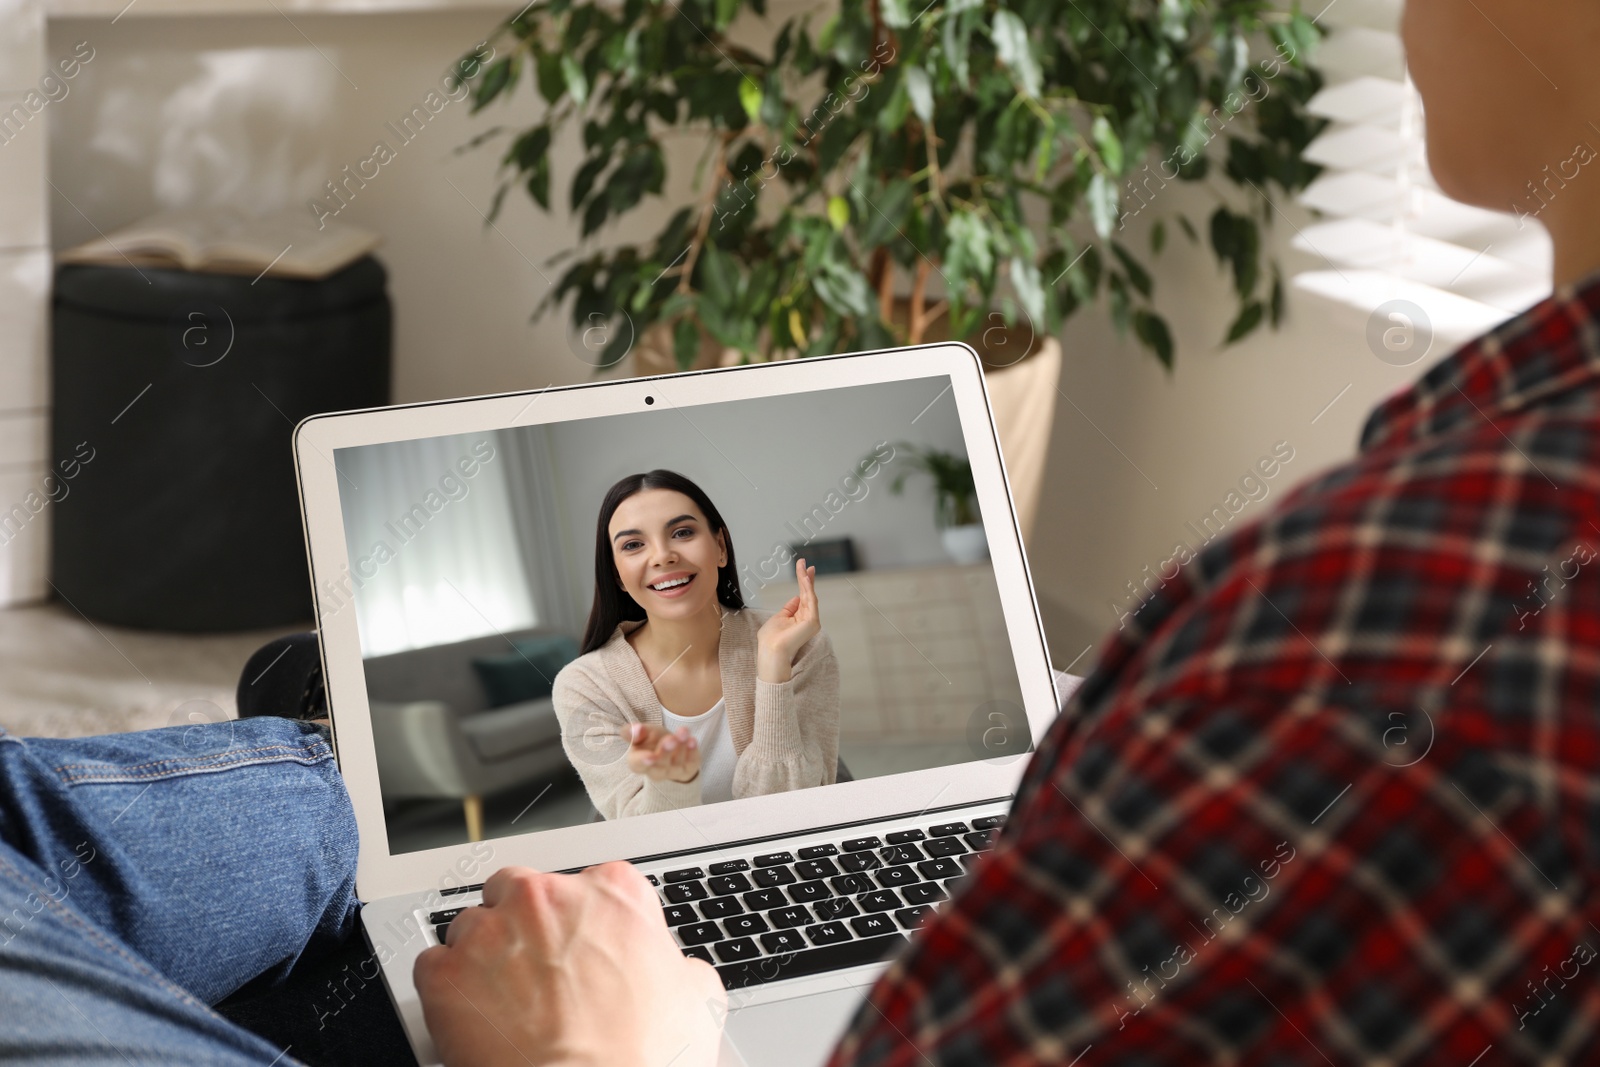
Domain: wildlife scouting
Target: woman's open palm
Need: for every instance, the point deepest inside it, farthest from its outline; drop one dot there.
(782, 636)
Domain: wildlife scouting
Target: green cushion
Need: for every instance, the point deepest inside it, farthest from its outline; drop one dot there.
(527, 673)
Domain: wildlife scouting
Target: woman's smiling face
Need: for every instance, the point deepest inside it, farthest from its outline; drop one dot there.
(665, 553)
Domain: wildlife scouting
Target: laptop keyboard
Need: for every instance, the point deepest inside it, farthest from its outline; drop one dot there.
(816, 909)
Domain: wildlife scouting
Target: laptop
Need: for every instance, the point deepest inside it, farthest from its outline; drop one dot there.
(454, 552)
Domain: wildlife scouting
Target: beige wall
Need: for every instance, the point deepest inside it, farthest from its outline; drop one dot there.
(242, 110)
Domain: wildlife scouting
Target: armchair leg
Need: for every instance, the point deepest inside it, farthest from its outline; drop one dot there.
(472, 807)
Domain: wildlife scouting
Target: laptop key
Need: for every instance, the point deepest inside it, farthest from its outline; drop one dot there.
(809, 870)
(730, 866)
(835, 908)
(890, 877)
(441, 932)
(772, 859)
(783, 941)
(829, 933)
(745, 925)
(445, 916)
(940, 869)
(718, 908)
(860, 844)
(872, 925)
(911, 918)
(852, 883)
(767, 877)
(879, 900)
(989, 822)
(684, 892)
(734, 951)
(896, 854)
(944, 846)
(816, 852)
(678, 914)
(790, 917)
(860, 861)
(948, 829)
(902, 837)
(806, 892)
(729, 883)
(924, 893)
(653, 879)
(969, 859)
(684, 875)
(979, 840)
(699, 953)
(765, 899)
(699, 934)
(812, 961)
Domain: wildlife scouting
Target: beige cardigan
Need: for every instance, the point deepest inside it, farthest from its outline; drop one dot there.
(785, 736)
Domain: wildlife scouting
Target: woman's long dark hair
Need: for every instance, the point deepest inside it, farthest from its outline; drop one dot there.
(612, 603)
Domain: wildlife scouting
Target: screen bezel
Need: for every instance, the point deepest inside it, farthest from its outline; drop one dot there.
(381, 873)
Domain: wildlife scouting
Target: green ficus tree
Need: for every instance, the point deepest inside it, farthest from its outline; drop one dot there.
(889, 165)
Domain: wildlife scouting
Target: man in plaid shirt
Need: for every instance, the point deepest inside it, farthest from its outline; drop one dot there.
(1331, 795)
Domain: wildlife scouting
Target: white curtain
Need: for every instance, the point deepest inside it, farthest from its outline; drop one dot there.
(434, 551)
(539, 517)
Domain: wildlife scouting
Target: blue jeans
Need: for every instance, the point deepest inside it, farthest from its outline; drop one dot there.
(146, 876)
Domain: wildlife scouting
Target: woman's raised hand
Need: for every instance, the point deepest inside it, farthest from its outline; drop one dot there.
(661, 755)
(781, 637)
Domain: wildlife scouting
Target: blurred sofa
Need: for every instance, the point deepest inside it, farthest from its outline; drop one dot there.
(438, 732)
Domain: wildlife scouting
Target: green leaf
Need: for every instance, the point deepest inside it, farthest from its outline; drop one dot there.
(1016, 51)
(539, 183)
(751, 96)
(1138, 277)
(881, 220)
(495, 80)
(970, 255)
(920, 88)
(1276, 303)
(838, 212)
(1248, 320)
(1151, 329)
(844, 289)
(1110, 146)
(1158, 236)
(686, 342)
(897, 13)
(720, 277)
(577, 84)
(1188, 229)
(1103, 204)
(956, 39)
(552, 85)
(1030, 289)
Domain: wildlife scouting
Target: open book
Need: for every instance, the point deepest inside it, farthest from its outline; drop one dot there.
(227, 241)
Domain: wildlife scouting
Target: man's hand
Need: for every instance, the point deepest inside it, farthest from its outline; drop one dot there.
(661, 755)
(570, 970)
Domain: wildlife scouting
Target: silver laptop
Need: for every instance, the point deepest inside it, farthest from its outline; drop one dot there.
(453, 550)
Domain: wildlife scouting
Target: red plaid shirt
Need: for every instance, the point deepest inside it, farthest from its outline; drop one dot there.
(1331, 797)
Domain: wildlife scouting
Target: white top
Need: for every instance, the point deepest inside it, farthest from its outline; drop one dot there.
(717, 757)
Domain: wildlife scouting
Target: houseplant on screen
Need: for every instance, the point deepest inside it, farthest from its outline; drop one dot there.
(955, 498)
(888, 172)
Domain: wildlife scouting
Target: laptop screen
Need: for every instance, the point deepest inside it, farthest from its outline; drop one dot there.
(546, 613)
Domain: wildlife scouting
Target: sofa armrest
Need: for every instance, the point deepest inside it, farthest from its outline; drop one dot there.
(420, 750)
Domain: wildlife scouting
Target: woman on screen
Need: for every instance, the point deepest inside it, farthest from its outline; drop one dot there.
(684, 696)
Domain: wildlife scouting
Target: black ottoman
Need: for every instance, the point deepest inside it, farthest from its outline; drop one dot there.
(183, 390)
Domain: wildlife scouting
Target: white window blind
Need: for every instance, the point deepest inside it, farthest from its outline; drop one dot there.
(1387, 232)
